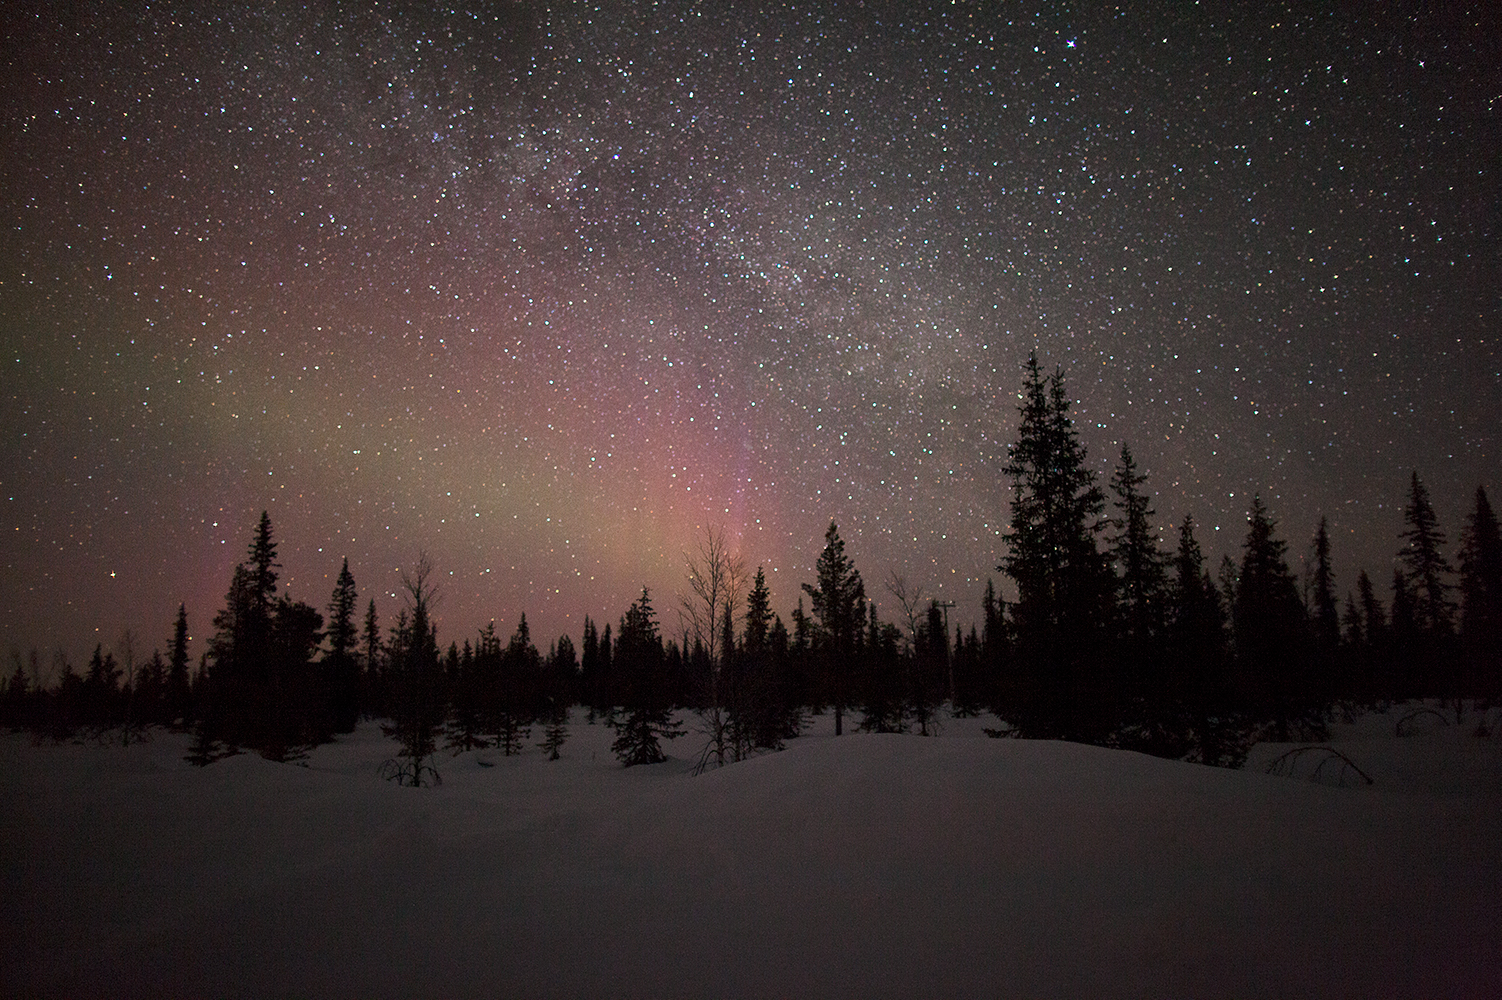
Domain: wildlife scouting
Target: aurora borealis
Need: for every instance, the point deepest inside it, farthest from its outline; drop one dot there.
(542, 290)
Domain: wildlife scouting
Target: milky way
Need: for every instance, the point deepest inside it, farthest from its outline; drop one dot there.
(544, 291)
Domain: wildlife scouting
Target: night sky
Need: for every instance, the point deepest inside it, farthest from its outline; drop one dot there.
(545, 290)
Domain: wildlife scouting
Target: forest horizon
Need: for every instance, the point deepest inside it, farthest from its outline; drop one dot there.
(1110, 638)
(1218, 543)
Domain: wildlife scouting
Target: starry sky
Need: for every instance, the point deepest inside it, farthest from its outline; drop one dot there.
(544, 290)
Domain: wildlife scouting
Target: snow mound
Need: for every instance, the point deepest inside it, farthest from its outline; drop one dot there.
(858, 866)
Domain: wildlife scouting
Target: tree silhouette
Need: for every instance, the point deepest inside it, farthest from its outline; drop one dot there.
(765, 711)
(1402, 633)
(639, 661)
(1427, 568)
(560, 679)
(1268, 620)
(297, 704)
(838, 603)
(16, 703)
(885, 677)
(1134, 549)
(517, 692)
(591, 677)
(100, 695)
(259, 693)
(1373, 617)
(1150, 707)
(1481, 594)
(1196, 651)
(372, 698)
(928, 676)
(468, 694)
(715, 577)
(263, 566)
(417, 707)
(340, 668)
(179, 695)
(1324, 618)
(1064, 587)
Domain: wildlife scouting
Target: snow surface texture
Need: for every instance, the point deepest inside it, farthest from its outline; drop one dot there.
(859, 866)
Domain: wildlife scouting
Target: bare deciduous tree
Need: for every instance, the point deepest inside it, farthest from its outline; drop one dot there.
(716, 576)
(418, 709)
(910, 600)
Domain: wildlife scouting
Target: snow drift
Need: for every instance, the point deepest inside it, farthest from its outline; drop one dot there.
(858, 866)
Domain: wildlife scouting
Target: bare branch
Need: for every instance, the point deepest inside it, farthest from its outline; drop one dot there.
(716, 577)
(910, 601)
(420, 593)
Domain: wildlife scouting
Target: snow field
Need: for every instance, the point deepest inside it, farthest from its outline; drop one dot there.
(858, 866)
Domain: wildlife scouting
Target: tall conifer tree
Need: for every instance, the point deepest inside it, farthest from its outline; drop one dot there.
(1268, 618)
(838, 602)
(1134, 549)
(341, 669)
(1427, 569)
(1324, 617)
(179, 696)
(1481, 594)
(1064, 585)
(639, 661)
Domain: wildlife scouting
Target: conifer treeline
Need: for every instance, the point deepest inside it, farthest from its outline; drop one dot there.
(1111, 640)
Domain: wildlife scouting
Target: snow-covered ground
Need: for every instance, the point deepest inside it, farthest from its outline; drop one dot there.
(859, 866)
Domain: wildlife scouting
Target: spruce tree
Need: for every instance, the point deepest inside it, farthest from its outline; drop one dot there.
(837, 601)
(245, 690)
(1197, 618)
(758, 618)
(341, 669)
(561, 676)
(769, 701)
(1324, 619)
(589, 670)
(995, 648)
(887, 681)
(15, 708)
(609, 689)
(928, 678)
(1134, 549)
(179, 694)
(1352, 629)
(297, 702)
(639, 660)
(101, 698)
(1402, 622)
(1064, 585)
(466, 723)
(1481, 597)
(1427, 568)
(802, 640)
(1268, 619)
(372, 693)
(1373, 616)
(1151, 706)
(263, 566)
(519, 694)
(1196, 659)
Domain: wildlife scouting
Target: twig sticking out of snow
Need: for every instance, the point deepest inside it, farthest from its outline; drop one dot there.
(1287, 764)
(413, 773)
(1407, 720)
